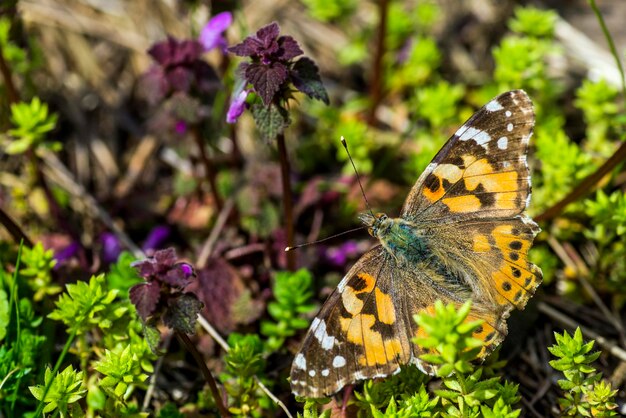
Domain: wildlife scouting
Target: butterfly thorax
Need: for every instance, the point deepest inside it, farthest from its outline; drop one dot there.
(402, 239)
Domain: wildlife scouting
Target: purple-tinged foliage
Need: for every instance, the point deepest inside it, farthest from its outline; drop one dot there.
(179, 68)
(271, 71)
(145, 297)
(162, 292)
(182, 312)
(212, 35)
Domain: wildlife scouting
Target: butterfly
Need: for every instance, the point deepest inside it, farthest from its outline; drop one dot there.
(462, 234)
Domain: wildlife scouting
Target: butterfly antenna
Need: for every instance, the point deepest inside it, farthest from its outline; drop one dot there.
(323, 239)
(358, 178)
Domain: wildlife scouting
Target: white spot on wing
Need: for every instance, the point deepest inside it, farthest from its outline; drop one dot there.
(494, 106)
(312, 373)
(509, 127)
(508, 113)
(466, 133)
(339, 361)
(326, 341)
(325, 372)
(503, 142)
(300, 361)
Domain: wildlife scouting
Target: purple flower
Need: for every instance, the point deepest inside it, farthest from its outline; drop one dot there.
(111, 247)
(237, 106)
(66, 253)
(180, 127)
(339, 255)
(212, 35)
(156, 237)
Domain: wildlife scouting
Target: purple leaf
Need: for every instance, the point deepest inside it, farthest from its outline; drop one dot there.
(162, 51)
(180, 79)
(288, 48)
(145, 297)
(180, 275)
(250, 47)
(153, 267)
(182, 313)
(267, 34)
(266, 79)
(212, 33)
(305, 77)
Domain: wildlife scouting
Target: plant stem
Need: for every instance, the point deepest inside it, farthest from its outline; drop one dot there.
(208, 377)
(14, 229)
(8, 80)
(609, 40)
(585, 185)
(57, 366)
(376, 88)
(209, 172)
(287, 199)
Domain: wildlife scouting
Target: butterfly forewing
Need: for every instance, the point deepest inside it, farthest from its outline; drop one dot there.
(481, 171)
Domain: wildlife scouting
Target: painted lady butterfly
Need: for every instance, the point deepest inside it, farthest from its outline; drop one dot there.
(462, 234)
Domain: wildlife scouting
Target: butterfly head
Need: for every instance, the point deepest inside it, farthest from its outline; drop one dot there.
(377, 224)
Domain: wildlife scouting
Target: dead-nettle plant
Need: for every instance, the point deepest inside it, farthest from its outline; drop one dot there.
(183, 89)
(265, 83)
(162, 297)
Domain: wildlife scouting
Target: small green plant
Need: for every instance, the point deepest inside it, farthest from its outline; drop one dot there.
(465, 392)
(243, 362)
(32, 122)
(61, 392)
(37, 270)
(292, 294)
(585, 393)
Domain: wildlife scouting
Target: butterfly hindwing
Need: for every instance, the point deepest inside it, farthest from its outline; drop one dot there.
(481, 171)
(358, 334)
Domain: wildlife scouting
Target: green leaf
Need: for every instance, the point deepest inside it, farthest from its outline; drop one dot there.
(271, 120)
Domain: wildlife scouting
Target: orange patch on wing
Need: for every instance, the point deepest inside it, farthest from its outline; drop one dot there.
(507, 200)
(485, 333)
(369, 280)
(376, 350)
(384, 307)
(437, 194)
(480, 243)
(509, 290)
(493, 182)
(449, 172)
(462, 204)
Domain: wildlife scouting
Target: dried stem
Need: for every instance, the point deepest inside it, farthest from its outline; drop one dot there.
(585, 186)
(208, 377)
(287, 199)
(14, 229)
(8, 79)
(209, 172)
(376, 85)
(217, 337)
